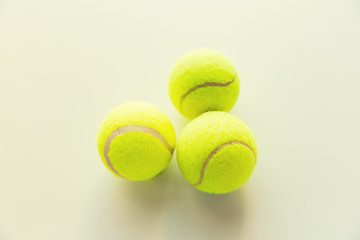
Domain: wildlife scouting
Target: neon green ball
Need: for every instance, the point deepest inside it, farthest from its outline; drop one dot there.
(217, 152)
(136, 141)
(203, 80)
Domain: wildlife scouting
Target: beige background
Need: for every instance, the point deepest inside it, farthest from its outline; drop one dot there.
(65, 64)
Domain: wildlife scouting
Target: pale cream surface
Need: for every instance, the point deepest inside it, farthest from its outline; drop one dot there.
(65, 64)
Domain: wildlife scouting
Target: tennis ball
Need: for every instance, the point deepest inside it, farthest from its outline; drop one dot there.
(136, 141)
(216, 152)
(203, 80)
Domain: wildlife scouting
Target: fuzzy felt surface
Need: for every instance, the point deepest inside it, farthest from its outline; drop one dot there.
(137, 156)
(198, 68)
(231, 166)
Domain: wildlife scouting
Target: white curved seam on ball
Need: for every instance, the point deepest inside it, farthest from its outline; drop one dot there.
(216, 151)
(209, 84)
(131, 128)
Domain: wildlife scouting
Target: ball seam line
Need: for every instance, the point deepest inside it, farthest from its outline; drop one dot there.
(208, 84)
(131, 128)
(216, 151)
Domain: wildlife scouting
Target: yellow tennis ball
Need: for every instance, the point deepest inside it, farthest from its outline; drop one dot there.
(216, 152)
(136, 141)
(203, 80)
